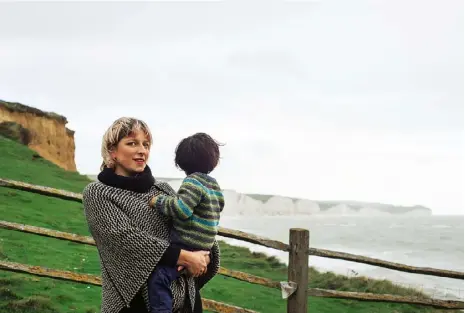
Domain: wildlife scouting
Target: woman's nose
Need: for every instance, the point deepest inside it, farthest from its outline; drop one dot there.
(142, 149)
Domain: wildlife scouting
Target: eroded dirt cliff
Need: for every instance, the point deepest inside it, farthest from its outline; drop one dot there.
(48, 135)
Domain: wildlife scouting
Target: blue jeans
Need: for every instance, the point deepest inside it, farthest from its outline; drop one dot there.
(159, 289)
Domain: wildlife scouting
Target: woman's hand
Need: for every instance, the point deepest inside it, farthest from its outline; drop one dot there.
(207, 258)
(196, 262)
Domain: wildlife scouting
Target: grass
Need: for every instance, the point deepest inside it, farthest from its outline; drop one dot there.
(21, 293)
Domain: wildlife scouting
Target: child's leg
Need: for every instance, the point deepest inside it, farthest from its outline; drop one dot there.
(159, 289)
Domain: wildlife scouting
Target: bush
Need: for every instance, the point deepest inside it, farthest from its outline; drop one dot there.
(16, 132)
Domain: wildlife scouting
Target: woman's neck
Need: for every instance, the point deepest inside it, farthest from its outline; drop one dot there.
(142, 182)
(122, 172)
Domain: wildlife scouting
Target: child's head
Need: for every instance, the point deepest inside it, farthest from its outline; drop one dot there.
(197, 153)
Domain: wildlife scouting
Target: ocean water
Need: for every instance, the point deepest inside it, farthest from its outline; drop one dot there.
(429, 241)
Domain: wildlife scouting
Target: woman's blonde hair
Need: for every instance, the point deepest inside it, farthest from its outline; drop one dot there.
(120, 128)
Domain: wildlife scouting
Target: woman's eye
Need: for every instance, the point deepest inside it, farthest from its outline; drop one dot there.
(131, 143)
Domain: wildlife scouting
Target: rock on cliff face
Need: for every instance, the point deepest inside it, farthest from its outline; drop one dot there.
(49, 136)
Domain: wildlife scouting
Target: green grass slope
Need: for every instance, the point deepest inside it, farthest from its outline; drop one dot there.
(21, 293)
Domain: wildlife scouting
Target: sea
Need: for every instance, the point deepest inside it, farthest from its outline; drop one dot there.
(426, 241)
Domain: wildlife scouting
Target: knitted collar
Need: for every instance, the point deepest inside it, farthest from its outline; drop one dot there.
(139, 183)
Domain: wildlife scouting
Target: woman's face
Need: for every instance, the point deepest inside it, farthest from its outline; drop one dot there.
(131, 154)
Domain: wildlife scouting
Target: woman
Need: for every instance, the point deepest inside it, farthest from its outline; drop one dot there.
(131, 237)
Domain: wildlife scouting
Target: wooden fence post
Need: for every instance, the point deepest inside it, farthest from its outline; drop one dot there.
(298, 269)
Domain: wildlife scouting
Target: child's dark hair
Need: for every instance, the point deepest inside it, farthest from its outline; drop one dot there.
(197, 153)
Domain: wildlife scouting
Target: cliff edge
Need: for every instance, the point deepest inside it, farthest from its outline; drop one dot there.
(46, 132)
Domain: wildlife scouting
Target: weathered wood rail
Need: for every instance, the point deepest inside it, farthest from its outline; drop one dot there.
(298, 249)
(42, 190)
(259, 240)
(208, 304)
(316, 292)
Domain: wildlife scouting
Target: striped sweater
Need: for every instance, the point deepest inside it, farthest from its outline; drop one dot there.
(195, 211)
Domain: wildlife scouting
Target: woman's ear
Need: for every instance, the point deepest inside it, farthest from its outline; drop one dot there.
(113, 154)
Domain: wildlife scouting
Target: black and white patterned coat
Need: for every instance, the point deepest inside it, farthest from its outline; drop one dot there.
(131, 237)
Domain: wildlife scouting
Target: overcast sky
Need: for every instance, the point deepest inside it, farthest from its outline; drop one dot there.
(325, 100)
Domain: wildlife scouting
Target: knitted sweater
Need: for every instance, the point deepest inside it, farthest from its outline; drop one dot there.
(195, 211)
(131, 240)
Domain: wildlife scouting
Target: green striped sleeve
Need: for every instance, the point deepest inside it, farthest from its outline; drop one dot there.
(181, 206)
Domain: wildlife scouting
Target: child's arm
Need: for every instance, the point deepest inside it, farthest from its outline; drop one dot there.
(181, 206)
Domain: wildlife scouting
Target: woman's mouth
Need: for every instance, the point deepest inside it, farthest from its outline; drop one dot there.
(139, 161)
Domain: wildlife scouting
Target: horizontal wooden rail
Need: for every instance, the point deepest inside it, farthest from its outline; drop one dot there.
(259, 240)
(215, 306)
(225, 308)
(363, 296)
(262, 241)
(342, 255)
(386, 264)
(47, 272)
(42, 190)
(90, 241)
(47, 232)
(312, 251)
(67, 195)
(208, 304)
(257, 280)
(59, 234)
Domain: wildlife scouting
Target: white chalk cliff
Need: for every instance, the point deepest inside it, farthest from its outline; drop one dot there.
(253, 204)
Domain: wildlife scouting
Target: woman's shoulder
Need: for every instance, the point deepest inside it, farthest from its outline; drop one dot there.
(94, 189)
(164, 188)
(100, 190)
(93, 186)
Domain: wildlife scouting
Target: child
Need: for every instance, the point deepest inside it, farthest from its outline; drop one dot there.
(195, 211)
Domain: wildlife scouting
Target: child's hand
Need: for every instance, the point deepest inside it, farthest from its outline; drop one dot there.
(153, 201)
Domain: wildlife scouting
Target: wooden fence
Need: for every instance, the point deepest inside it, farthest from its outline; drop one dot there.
(298, 249)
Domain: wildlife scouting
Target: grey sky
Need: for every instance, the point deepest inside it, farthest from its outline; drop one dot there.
(343, 100)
